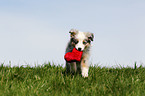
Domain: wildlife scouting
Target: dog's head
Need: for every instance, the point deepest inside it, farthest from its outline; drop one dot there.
(81, 40)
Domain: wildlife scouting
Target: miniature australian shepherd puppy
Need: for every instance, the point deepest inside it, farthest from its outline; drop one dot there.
(82, 42)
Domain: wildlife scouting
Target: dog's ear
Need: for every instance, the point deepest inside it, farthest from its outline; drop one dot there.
(73, 32)
(91, 36)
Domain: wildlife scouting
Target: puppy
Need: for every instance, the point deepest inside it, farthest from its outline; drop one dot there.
(82, 42)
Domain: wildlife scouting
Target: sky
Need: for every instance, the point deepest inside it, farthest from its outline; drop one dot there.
(34, 32)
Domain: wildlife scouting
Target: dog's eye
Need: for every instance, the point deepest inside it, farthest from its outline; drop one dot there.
(85, 42)
(75, 41)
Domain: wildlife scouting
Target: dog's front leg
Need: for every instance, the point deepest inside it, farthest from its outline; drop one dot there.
(74, 67)
(71, 67)
(84, 67)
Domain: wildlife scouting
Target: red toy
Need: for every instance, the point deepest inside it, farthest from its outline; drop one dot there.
(75, 55)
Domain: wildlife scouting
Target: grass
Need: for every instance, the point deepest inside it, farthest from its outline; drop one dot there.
(50, 80)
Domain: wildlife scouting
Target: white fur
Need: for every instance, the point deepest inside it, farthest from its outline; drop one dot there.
(85, 71)
(80, 36)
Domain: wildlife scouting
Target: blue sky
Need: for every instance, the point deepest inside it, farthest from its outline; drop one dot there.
(36, 31)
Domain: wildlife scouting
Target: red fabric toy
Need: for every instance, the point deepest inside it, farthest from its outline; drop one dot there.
(75, 55)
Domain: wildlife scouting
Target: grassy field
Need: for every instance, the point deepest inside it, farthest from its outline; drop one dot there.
(50, 80)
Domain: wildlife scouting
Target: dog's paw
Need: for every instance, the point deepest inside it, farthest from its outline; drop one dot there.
(85, 72)
(85, 75)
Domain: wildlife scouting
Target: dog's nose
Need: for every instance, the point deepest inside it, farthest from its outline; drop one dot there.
(79, 49)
